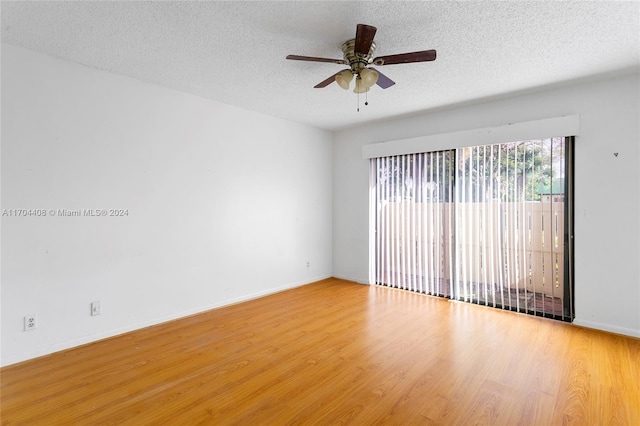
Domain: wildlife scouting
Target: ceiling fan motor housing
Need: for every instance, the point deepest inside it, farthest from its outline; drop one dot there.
(356, 61)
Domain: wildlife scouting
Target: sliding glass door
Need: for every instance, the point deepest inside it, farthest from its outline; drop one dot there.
(487, 224)
(414, 219)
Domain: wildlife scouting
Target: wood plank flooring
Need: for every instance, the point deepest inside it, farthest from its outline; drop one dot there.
(333, 353)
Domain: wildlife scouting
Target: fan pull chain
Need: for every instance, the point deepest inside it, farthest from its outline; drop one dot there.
(366, 99)
(366, 95)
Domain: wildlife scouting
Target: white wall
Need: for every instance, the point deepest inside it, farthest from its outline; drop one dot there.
(607, 195)
(224, 204)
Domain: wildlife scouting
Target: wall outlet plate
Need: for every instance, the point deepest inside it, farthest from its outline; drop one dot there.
(95, 308)
(30, 322)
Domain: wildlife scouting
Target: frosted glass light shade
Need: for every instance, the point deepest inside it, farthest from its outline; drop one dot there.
(369, 77)
(360, 86)
(344, 78)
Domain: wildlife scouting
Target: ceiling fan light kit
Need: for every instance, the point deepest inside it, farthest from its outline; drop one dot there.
(369, 77)
(357, 54)
(343, 78)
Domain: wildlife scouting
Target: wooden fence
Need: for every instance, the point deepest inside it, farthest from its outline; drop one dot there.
(496, 244)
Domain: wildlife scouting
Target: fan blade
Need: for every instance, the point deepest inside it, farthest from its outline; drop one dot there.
(364, 38)
(327, 82)
(314, 59)
(405, 58)
(383, 81)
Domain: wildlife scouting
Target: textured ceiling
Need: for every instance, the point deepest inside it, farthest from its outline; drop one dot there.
(234, 52)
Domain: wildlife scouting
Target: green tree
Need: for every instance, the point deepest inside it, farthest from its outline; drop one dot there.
(511, 171)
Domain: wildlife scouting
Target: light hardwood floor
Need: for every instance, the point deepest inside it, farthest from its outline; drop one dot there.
(336, 352)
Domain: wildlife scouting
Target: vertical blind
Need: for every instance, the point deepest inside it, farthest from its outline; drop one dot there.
(483, 224)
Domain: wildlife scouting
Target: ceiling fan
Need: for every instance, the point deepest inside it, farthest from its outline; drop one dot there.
(357, 55)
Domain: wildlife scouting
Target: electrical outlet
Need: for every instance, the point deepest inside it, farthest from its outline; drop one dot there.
(308, 263)
(30, 322)
(95, 308)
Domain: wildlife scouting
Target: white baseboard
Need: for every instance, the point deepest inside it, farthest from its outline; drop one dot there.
(348, 278)
(607, 327)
